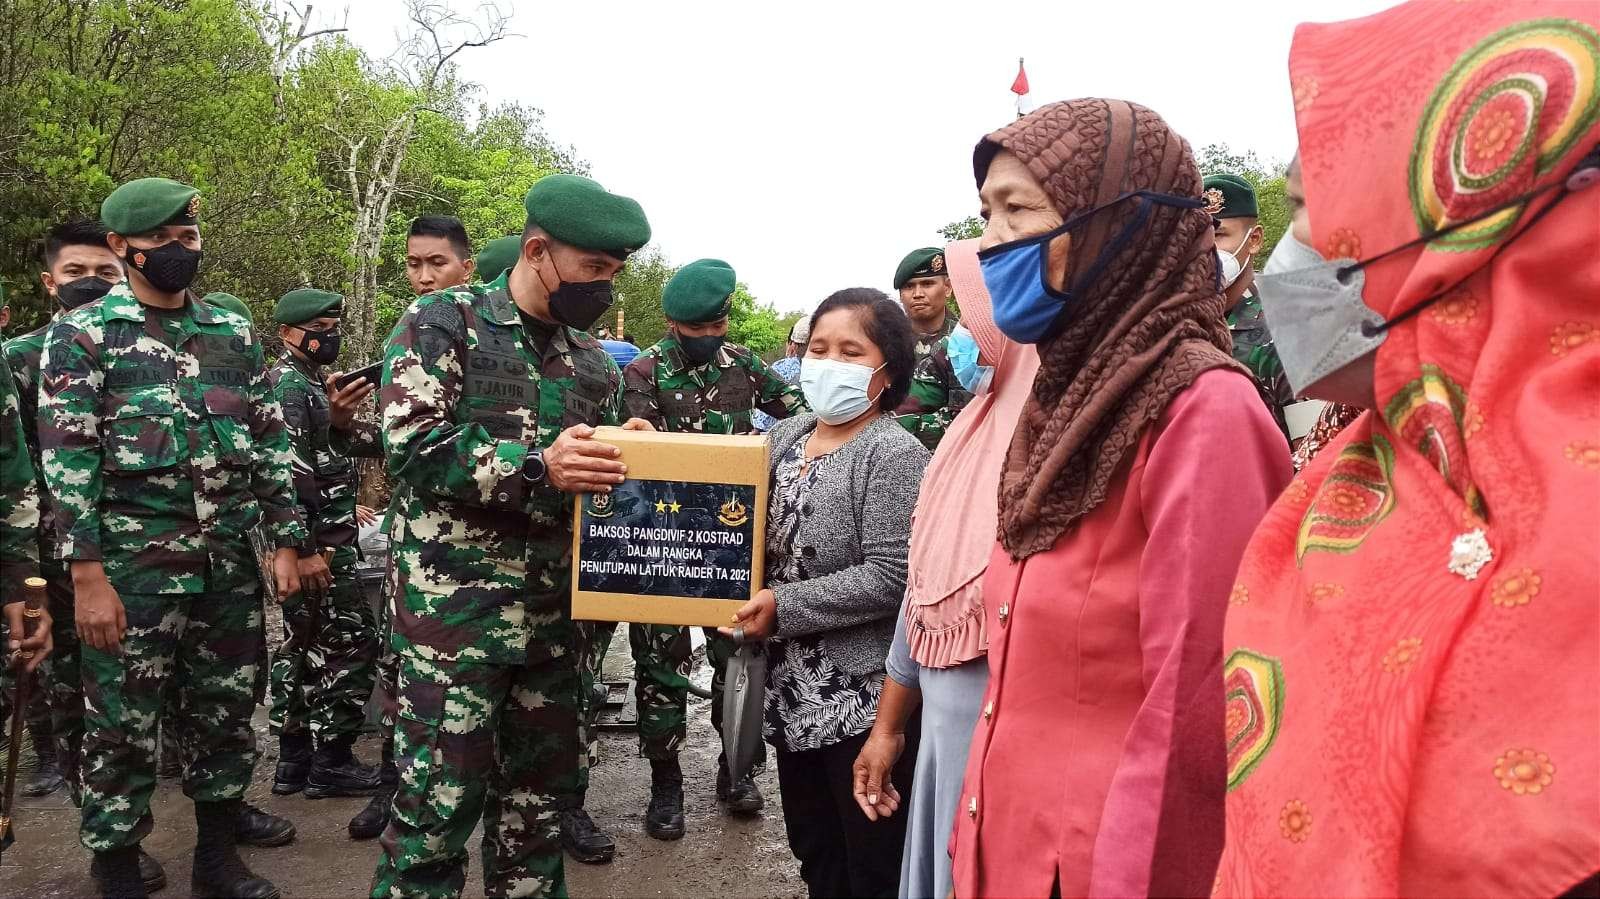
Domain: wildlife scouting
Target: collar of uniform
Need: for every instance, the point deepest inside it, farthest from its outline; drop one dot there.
(120, 302)
(1247, 315)
(950, 322)
(311, 370)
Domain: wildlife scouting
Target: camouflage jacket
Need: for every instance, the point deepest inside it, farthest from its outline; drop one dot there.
(162, 452)
(19, 496)
(324, 478)
(484, 557)
(1252, 345)
(22, 355)
(936, 397)
(662, 387)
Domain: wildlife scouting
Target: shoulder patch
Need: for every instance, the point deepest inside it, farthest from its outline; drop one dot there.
(443, 315)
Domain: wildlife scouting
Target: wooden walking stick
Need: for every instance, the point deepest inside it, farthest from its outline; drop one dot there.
(32, 611)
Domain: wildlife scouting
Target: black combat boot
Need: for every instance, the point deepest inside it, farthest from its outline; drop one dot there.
(116, 873)
(742, 798)
(664, 818)
(46, 775)
(582, 839)
(335, 771)
(294, 764)
(255, 827)
(218, 870)
(151, 872)
(371, 821)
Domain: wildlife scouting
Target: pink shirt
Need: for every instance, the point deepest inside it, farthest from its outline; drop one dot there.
(1098, 759)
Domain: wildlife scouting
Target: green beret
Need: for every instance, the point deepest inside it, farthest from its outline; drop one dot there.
(924, 263)
(300, 306)
(1229, 197)
(498, 256)
(578, 211)
(231, 303)
(147, 204)
(700, 292)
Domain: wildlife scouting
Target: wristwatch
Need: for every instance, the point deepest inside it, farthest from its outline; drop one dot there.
(533, 468)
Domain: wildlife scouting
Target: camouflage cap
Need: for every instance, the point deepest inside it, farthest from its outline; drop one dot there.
(924, 263)
(700, 292)
(578, 211)
(306, 303)
(148, 203)
(1229, 197)
(231, 303)
(498, 256)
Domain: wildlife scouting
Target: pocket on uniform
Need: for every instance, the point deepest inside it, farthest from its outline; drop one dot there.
(421, 711)
(226, 411)
(140, 443)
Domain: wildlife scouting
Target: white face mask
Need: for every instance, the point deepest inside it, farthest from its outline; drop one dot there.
(836, 391)
(1232, 268)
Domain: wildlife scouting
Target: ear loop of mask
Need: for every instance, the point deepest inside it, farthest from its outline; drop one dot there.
(1587, 174)
(1148, 200)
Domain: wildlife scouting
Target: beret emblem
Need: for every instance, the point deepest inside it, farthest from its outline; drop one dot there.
(1213, 198)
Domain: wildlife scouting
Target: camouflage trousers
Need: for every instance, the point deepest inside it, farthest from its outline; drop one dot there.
(321, 689)
(490, 743)
(206, 643)
(660, 686)
(661, 656)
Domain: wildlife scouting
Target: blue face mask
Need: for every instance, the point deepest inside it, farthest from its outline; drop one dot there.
(962, 348)
(1026, 308)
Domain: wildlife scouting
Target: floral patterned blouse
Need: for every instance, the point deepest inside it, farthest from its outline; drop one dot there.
(810, 702)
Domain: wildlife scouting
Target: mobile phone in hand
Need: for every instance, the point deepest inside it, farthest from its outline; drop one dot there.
(372, 373)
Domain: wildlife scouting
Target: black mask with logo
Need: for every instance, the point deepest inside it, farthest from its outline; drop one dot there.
(82, 292)
(169, 268)
(321, 347)
(579, 304)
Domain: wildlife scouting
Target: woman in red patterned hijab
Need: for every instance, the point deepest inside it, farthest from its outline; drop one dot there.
(1414, 644)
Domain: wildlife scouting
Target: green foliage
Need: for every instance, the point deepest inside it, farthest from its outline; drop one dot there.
(965, 229)
(96, 92)
(756, 325)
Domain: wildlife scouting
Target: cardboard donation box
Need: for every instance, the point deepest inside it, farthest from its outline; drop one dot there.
(682, 540)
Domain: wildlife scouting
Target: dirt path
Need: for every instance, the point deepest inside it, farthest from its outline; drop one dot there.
(720, 856)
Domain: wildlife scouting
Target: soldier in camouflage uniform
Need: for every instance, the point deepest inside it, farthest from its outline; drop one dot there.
(1232, 203)
(692, 381)
(936, 397)
(79, 268)
(489, 396)
(162, 448)
(322, 674)
(19, 547)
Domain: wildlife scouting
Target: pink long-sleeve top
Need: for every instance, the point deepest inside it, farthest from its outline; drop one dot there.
(1097, 764)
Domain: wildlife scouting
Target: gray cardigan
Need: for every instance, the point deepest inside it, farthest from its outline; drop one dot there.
(855, 528)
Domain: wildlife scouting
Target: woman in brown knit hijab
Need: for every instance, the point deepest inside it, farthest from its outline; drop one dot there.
(1139, 468)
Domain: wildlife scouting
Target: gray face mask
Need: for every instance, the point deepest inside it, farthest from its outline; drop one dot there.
(1317, 318)
(1316, 315)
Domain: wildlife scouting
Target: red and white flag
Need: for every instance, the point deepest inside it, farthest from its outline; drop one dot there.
(1020, 88)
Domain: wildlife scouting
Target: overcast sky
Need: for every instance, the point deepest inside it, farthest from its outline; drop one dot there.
(813, 145)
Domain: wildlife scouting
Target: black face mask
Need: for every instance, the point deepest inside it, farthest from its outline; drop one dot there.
(82, 292)
(701, 350)
(578, 305)
(321, 347)
(169, 268)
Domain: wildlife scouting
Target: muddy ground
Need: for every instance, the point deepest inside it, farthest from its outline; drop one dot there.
(720, 856)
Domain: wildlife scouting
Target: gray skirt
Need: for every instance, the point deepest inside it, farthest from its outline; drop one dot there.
(951, 698)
